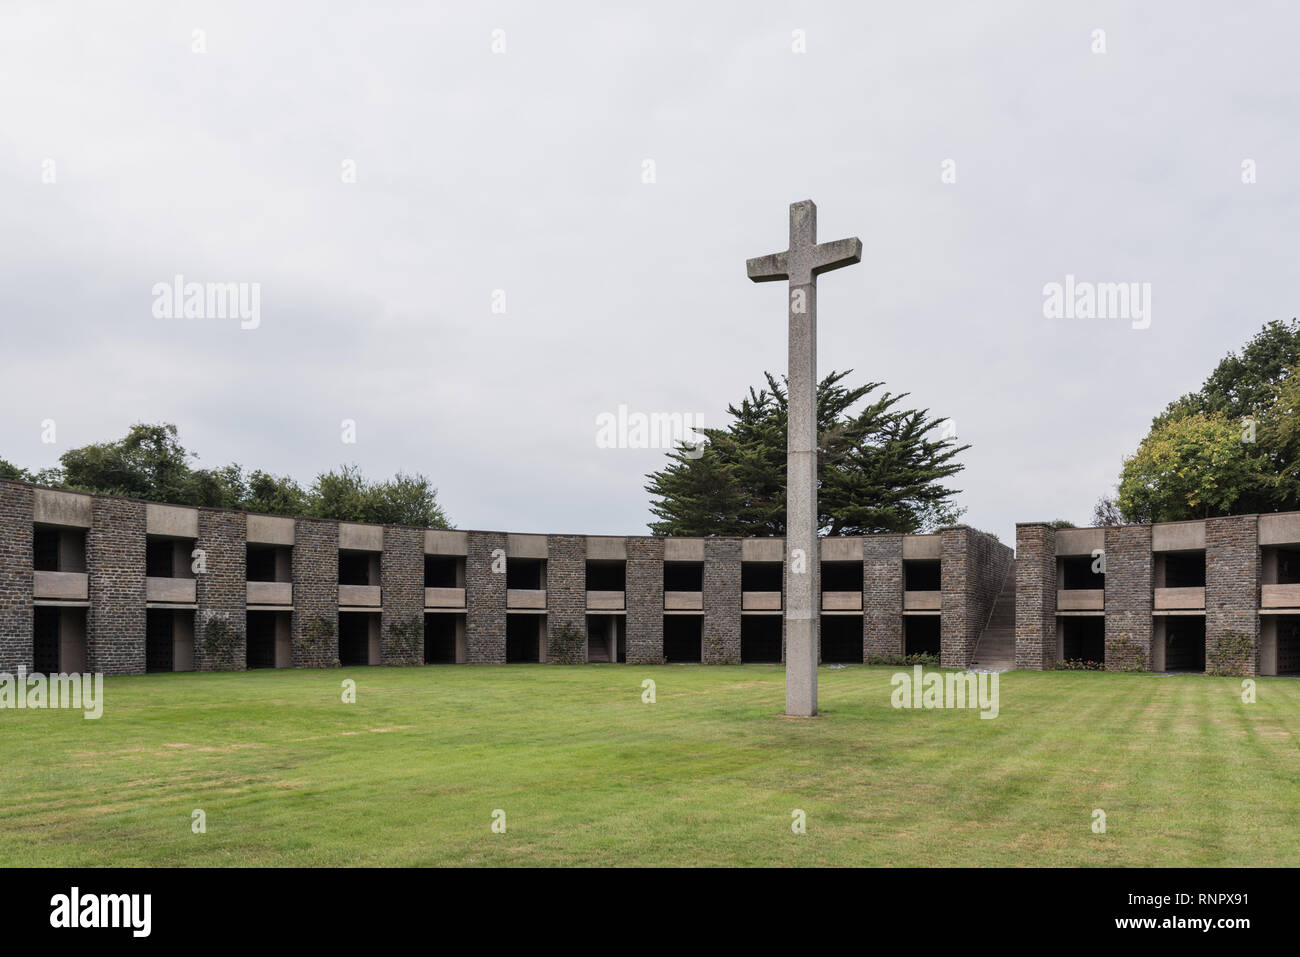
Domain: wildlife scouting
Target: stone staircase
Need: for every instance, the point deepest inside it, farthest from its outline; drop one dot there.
(996, 648)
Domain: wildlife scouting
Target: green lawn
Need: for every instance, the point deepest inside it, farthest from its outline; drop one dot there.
(587, 774)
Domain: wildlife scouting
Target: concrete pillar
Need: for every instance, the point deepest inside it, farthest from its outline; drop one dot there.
(72, 640)
(17, 560)
(882, 595)
(115, 559)
(374, 635)
(1159, 635)
(1129, 570)
(644, 600)
(315, 624)
(485, 598)
(283, 640)
(566, 596)
(1035, 596)
(222, 589)
(722, 599)
(1232, 571)
(183, 641)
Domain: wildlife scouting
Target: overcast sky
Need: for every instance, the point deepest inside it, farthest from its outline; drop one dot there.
(523, 170)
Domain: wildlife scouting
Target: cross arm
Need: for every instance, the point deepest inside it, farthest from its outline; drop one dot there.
(833, 255)
(768, 268)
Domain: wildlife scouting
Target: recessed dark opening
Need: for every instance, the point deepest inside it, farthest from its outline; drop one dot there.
(1184, 569)
(45, 640)
(842, 576)
(683, 637)
(441, 571)
(45, 549)
(522, 638)
(842, 639)
(683, 576)
(261, 639)
(921, 634)
(761, 576)
(354, 568)
(1077, 573)
(606, 576)
(158, 557)
(439, 638)
(354, 638)
(760, 638)
(159, 644)
(1288, 644)
(1184, 642)
(1083, 638)
(527, 573)
(922, 575)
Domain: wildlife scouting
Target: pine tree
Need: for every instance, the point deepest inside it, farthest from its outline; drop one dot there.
(881, 468)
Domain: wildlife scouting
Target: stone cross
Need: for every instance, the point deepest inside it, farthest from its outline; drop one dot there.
(801, 264)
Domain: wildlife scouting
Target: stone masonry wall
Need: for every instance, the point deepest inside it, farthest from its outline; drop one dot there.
(882, 595)
(115, 623)
(401, 580)
(987, 562)
(1232, 566)
(1128, 597)
(221, 590)
(1035, 596)
(566, 598)
(16, 561)
(721, 601)
(315, 622)
(485, 599)
(645, 601)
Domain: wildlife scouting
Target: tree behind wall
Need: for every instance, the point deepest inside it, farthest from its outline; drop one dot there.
(881, 469)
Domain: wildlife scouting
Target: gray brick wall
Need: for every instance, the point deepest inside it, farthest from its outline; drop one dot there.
(882, 595)
(972, 569)
(221, 590)
(485, 600)
(16, 503)
(721, 601)
(1035, 596)
(1232, 567)
(1128, 597)
(645, 601)
(566, 596)
(115, 552)
(315, 622)
(401, 578)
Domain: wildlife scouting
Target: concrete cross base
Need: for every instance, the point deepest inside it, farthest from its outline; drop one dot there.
(801, 667)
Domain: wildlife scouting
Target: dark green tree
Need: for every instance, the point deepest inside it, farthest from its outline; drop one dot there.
(881, 468)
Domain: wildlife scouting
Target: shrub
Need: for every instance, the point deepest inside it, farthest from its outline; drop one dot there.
(1230, 656)
(1080, 664)
(221, 640)
(566, 646)
(924, 659)
(407, 639)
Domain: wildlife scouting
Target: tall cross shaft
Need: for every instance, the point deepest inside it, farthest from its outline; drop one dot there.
(801, 264)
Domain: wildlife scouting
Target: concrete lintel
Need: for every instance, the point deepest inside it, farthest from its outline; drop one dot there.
(439, 541)
(762, 550)
(526, 546)
(1178, 536)
(50, 507)
(846, 549)
(356, 537)
(1079, 541)
(270, 530)
(606, 548)
(922, 547)
(683, 549)
(172, 521)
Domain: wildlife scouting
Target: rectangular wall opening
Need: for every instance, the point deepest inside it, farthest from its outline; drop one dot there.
(1185, 643)
(842, 639)
(1288, 644)
(1077, 574)
(842, 576)
(922, 574)
(444, 571)
(524, 637)
(921, 634)
(606, 639)
(526, 573)
(269, 642)
(358, 568)
(443, 633)
(606, 575)
(1083, 638)
(159, 641)
(358, 638)
(269, 563)
(761, 576)
(683, 576)
(59, 640)
(58, 549)
(760, 638)
(1180, 569)
(168, 557)
(683, 637)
